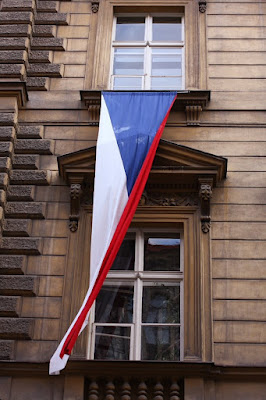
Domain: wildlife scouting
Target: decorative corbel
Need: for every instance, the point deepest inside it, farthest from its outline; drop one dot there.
(205, 194)
(202, 6)
(95, 6)
(92, 100)
(193, 114)
(75, 193)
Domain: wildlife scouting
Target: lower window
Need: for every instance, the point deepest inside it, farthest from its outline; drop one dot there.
(138, 314)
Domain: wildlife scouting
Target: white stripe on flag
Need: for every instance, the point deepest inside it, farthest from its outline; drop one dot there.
(110, 199)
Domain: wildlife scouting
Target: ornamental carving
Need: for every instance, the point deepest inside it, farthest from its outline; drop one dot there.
(73, 223)
(205, 225)
(205, 194)
(170, 199)
(95, 6)
(75, 193)
(202, 6)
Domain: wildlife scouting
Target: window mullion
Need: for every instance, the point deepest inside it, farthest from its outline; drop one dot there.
(139, 251)
(137, 319)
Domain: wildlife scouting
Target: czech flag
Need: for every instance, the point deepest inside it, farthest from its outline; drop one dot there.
(131, 125)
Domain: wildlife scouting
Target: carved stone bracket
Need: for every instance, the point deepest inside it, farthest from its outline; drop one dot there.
(193, 114)
(92, 100)
(205, 194)
(75, 193)
(202, 6)
(95, 6)
(190, 101)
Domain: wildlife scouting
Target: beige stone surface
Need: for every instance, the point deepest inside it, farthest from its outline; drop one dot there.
(230, 61)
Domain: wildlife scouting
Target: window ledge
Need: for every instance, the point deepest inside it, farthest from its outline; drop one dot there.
(192, 102)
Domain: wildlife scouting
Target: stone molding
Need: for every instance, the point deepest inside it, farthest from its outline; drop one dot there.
(180, 176)
(192, 102)
(15, 89)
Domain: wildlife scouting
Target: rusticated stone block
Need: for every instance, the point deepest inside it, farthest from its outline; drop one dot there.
(9, 119)
(16, 17)
(52, 70)
(15, 30)
(52, 19)
(20, 246)
(29, 177)
(18, 285)
(12, 265)
(37, 83)
(10, 306)
(17, 227)
(13, 43)
(33, 146)
(2, 198)
(1, 217)
(12, 71)
(14, 56)
(16, 328)
(6, 148)
(7, 133)
(26, 162)
(5, 164)
(39, 56)
(44, 31)
(30, 132)
(47, 43)
(7, 349)
(25, 210)
(17, 5)
(3, 180)
(20, 193)
(47, 6)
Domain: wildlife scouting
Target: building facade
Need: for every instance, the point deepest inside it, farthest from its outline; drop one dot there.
(206, 193)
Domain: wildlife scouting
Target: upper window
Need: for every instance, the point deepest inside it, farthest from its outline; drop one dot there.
(148, 52)
(138, 312)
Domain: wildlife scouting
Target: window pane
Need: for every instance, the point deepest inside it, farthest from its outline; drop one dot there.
(114, 304)
(167, 29)
(166, 62)
(112, 343)
(130, 29)
(129, 62)
(167, 83)
(161, 304)
(127, 83)
(160, 343)
(161, 252)
(125, 258)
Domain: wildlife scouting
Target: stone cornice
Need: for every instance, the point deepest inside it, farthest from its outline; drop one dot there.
(91, 368)
(14, 89)
(192, 102)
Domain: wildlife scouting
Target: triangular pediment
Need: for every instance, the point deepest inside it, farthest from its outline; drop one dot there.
(176, 171)
(173, 163)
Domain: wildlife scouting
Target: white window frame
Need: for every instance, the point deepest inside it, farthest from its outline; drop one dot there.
(147, 45)
(139, 278)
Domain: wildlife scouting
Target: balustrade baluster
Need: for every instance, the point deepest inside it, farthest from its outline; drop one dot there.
(110, 391)
(158, 391)
(142, 391)
(174, 391)
(93, 391)
(126, 391)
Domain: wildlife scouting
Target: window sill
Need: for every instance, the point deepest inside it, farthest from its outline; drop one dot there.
(192, 102)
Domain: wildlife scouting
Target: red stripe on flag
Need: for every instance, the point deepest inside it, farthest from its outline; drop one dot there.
(118, 237)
